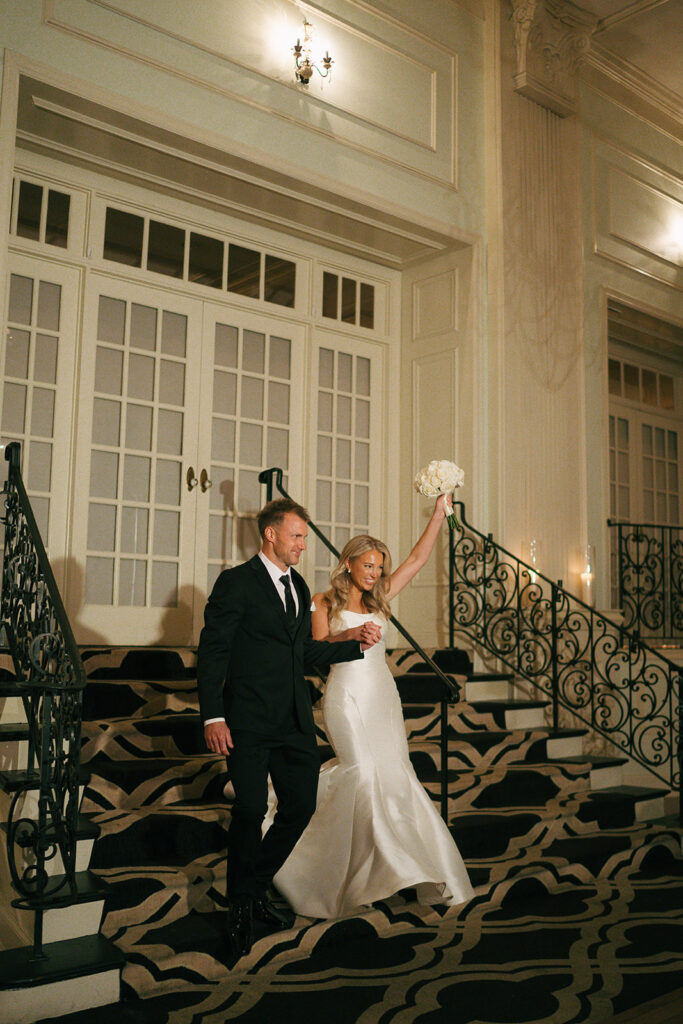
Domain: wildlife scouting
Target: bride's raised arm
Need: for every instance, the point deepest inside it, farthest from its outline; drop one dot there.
(418, 556)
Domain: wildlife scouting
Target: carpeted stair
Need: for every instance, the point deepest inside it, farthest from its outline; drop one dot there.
(578, 879)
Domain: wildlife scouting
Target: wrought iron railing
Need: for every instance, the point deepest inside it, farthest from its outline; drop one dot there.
(450, 689)
(583, 662)
(649, 572)
(50, 680)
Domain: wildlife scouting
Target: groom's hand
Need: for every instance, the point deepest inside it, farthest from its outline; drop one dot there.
(217, 737)
(369, 635)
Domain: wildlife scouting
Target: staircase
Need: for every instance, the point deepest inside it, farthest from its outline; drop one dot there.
(535, 818)
(76, 966)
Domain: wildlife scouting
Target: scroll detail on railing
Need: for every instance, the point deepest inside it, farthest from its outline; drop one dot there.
(650, 577)
(51, 678)
(582, 661)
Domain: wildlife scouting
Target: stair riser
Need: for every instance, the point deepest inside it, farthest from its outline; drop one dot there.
(72, 922)
(13, 755)
(55, 866)
(26, 1005)
(12, 710)
(488, 689)
(27, 805)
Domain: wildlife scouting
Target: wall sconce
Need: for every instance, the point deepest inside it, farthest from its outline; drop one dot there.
(587, 577)
(304, 65)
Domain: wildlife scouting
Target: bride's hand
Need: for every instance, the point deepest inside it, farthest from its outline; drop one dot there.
(368, 634)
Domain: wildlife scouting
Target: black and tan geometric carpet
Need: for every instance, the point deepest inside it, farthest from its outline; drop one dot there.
(578, 907)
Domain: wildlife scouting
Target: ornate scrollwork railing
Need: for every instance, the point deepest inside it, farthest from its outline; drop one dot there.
(50, 678)
(600, 672)
(649, 564)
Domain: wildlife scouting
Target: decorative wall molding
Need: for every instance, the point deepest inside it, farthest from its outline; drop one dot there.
(551, 38)
(414, 128)
(637, 214)
(435, 305)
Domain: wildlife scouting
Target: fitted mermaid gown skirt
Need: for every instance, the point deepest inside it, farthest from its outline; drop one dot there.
(374, 830)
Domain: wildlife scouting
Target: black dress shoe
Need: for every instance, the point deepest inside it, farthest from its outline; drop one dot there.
(276, 918)
(240, 925)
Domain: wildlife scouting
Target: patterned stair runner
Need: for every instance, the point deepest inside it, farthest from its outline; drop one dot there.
(539, 838)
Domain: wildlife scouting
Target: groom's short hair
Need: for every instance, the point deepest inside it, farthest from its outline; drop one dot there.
(275, 511)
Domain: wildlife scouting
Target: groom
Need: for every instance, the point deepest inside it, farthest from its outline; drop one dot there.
(256, 708)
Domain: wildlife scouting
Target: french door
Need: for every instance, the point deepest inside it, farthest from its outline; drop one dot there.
(37, 370)
(182, 403)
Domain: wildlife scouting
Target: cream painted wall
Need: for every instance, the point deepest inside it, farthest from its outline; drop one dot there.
(539, 346)
(637, 258)
(400, 121)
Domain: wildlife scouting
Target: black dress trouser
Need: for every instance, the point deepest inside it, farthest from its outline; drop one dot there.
(293, 762)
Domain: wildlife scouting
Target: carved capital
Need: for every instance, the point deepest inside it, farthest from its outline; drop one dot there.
(551, 37)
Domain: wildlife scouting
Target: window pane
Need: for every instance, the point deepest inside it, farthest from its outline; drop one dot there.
(326, 368)
(614, 373)
(16, 353)
(280, 281)
(330, 294)
(348, 306)
(123, 237)
(253, 352)
(367, 305)
(244, 271)
(28, 215)
(111, 320)
(666, 391)
(49, 303)
(165, 249)
(206, 260)
(631, 382)
(173, 334)
(279, 361)
(57, 222)
(143, 327)
(45, 369)
(20, 299)
(649, 378)
(226, 346)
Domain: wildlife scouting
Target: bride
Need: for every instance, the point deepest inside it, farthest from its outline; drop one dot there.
(375, 830)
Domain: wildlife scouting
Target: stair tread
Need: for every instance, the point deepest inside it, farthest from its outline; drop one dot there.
(632, 792)
(12, 779)
(14, 731)
(69, 958)
(595, 760)
(509, 702)
(85, 828)
(88, 887)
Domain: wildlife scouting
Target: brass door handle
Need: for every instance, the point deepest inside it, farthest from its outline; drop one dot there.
(191, 479)
(204, 481)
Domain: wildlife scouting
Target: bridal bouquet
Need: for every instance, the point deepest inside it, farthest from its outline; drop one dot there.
(440, 477)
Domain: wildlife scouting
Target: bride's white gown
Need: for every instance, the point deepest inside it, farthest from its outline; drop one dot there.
(375, 830)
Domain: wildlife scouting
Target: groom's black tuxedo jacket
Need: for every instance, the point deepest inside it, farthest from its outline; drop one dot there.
(250, 664)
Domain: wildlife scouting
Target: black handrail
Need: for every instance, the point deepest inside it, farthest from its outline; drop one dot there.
(650, 577)
(50, 680)
(272, 478)
(600, 672)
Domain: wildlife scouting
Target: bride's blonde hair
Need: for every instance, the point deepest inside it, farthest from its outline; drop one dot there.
(375, 600)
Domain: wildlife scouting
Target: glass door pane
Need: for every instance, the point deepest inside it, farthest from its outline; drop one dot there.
(252, 422)
(139, 388)
(36, 399)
